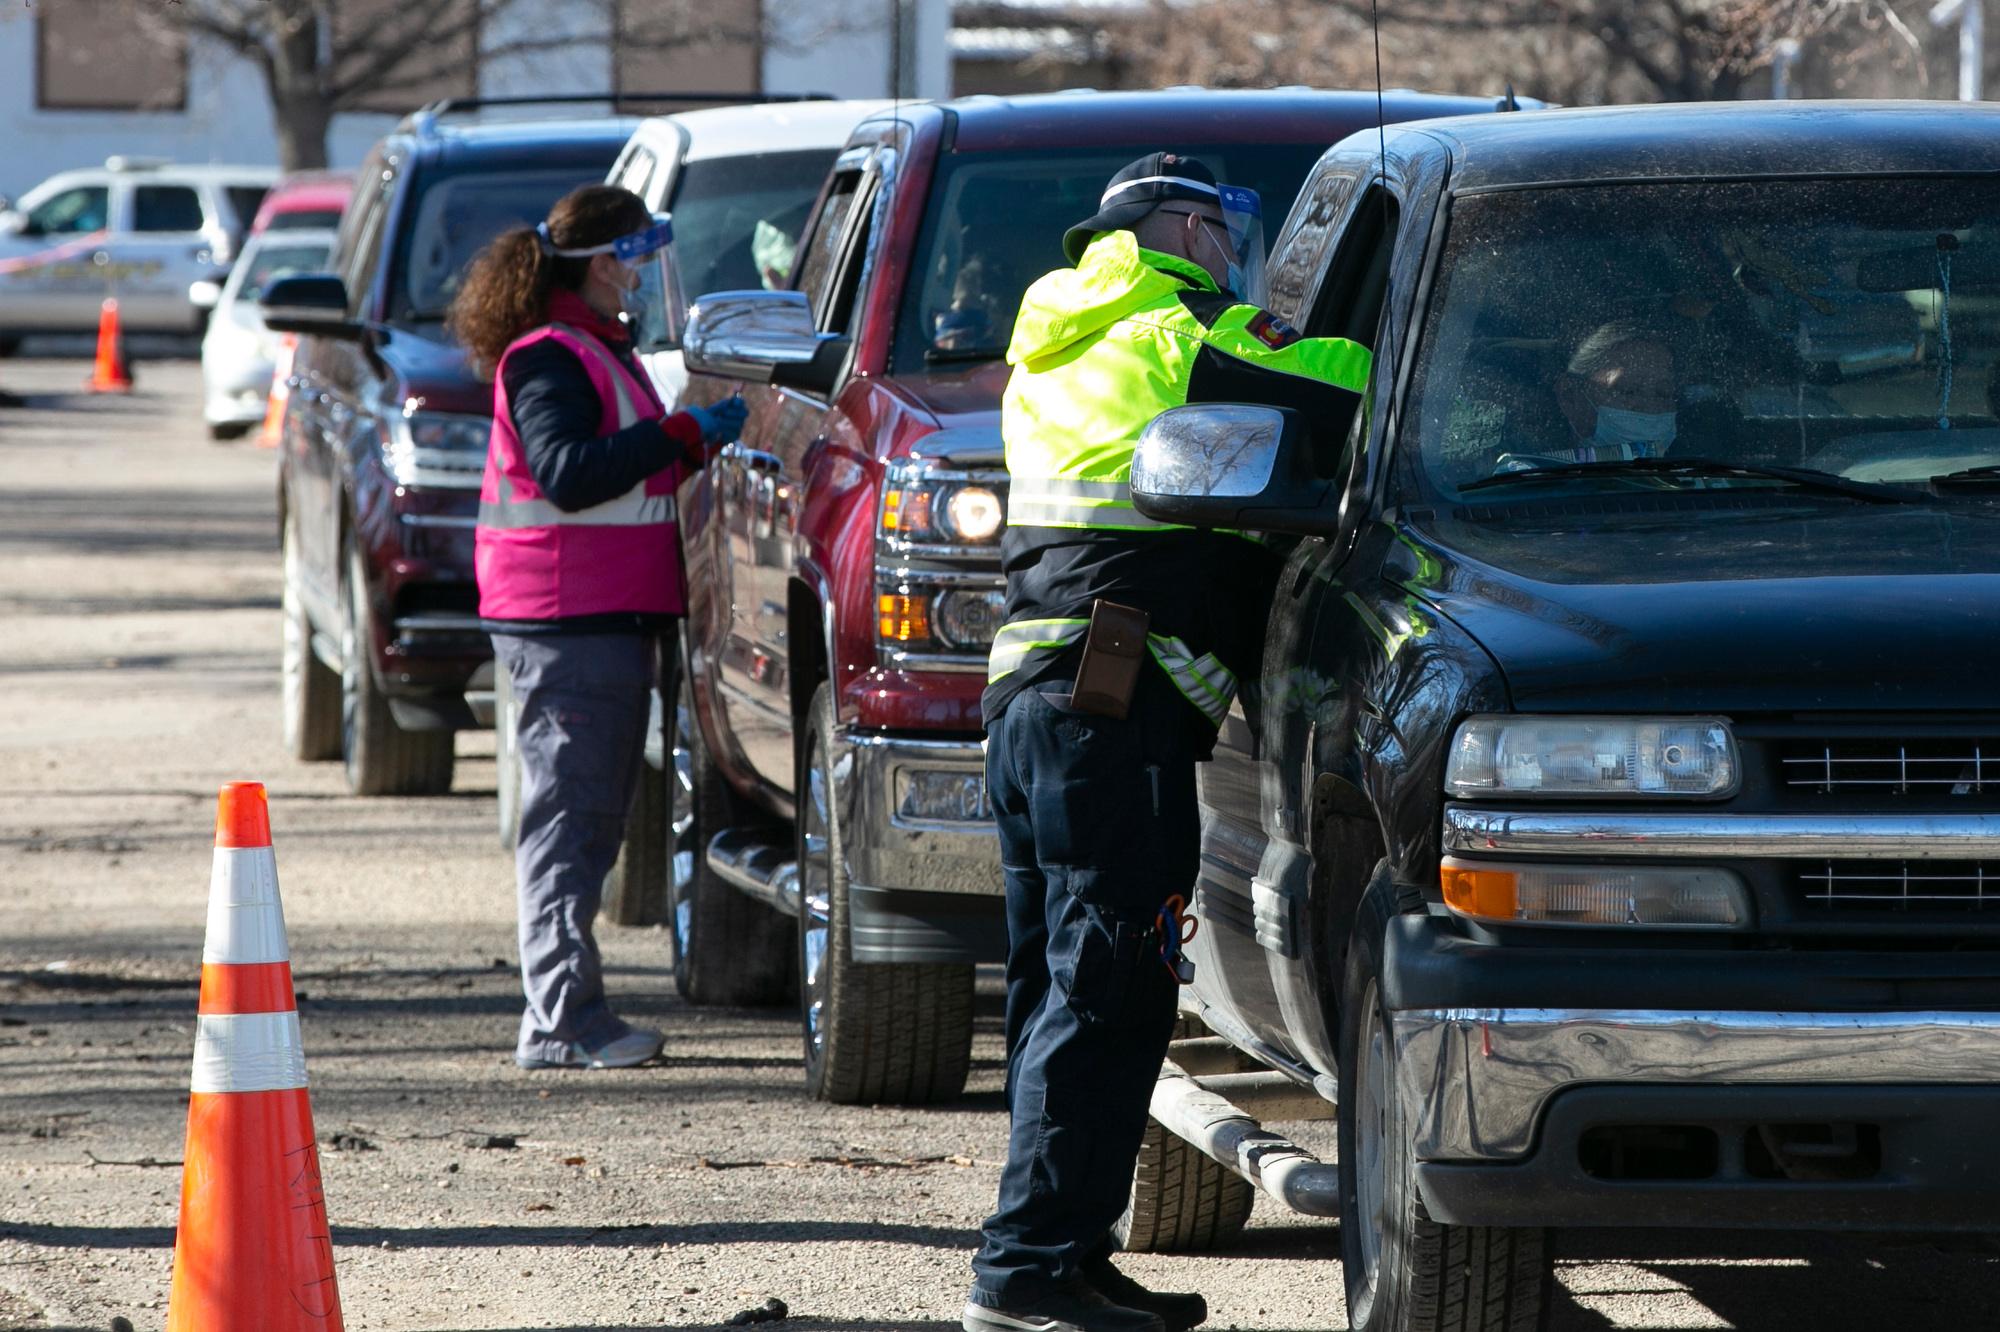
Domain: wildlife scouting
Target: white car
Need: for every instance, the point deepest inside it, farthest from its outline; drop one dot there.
(237, 351)
(740, 182)
(140, 229)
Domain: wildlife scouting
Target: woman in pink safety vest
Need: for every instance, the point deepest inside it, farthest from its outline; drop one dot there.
(579, 566)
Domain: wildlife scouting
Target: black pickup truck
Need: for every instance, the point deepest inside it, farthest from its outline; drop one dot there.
(1604, 837)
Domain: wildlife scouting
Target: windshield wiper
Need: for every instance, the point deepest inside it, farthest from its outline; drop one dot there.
(960, 355)
(1986, 475)
(1806, 478)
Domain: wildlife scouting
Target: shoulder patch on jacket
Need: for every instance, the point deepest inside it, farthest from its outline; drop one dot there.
(1272, 331)
(1206, 306)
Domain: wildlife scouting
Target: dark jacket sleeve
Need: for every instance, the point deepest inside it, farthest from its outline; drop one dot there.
(556, 413)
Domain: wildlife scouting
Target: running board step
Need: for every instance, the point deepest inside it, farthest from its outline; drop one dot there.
(746, 862)
(1215, 1127)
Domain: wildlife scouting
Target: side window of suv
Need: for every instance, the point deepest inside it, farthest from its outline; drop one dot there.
(360, 253)
(83, 209)
(166, 208)
(636, 173)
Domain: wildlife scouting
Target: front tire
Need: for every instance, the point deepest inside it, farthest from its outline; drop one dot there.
(876, 1032)
(1404, 1271)
(309, 694)
(728, 949)
(381, 757)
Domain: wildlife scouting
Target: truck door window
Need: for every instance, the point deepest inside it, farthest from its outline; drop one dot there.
(1350, 306)
(1301, 249)
(166, 208)
(363, 244)
(822, 248)
(843, 293)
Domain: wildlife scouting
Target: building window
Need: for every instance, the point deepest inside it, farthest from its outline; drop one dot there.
(717, 48)
(91, 56)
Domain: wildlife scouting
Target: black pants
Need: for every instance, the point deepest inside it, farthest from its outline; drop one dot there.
(1098, 827)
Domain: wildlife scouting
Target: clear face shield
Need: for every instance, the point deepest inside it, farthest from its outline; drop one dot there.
(1243, 216)
(656, 306)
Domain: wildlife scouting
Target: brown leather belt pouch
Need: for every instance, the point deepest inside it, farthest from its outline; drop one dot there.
(1114, 651)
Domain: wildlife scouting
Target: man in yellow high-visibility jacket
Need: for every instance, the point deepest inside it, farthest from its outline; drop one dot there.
(1096, 810)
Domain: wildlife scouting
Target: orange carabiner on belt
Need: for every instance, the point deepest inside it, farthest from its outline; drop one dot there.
(1177, 929)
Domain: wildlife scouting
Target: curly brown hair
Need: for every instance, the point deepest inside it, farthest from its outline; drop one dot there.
(506, 289)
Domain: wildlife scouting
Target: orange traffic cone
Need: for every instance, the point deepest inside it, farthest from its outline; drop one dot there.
(274, 411)
(112, 374)
(253, 1249)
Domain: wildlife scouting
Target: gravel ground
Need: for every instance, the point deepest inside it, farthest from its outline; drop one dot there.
(138, 670)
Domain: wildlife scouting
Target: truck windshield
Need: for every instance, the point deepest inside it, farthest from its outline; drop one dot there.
(453, 219)
(995, 223)
(1677, 337)
(737, 219)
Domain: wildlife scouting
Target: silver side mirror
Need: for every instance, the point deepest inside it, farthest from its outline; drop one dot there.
(205, 294)
(1231, 465)
(763, 336)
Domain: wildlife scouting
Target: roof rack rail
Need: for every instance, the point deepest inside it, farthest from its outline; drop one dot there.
(423, 120)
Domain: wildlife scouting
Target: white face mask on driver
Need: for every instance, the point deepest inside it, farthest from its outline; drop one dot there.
(1648, 432)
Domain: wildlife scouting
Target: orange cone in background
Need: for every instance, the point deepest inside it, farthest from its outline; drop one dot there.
(253, 1250)
(112, 374)
(274, 410)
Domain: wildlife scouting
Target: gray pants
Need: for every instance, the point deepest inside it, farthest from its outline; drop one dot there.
(584, 703)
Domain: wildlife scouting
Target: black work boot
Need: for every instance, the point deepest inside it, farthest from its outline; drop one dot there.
(1075, 1306)
(1178, 1312)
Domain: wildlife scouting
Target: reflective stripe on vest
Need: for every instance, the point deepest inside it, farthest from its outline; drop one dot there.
(1203, 681)
(635, 508)
(1062, 501)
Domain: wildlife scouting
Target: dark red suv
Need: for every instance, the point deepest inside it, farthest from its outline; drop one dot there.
(844, 559)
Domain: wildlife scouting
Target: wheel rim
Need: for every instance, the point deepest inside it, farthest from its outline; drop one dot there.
(815, 909)
(684, 830)
(297, 644)
(1371, 1136)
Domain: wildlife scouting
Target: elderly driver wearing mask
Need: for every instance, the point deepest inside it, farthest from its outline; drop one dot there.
(1618, 395)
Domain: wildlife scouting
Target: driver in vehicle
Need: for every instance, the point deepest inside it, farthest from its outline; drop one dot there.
(1618, 394)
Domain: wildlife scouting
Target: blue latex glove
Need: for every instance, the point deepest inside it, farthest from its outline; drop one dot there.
(722, 423)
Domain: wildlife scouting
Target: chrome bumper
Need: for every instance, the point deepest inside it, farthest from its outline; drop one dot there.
(1473, 830)
(1472, 1084)
(889, 849)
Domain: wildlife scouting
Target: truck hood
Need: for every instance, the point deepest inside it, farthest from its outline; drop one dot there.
(955, 398)
(438, 372)
(1878, 608)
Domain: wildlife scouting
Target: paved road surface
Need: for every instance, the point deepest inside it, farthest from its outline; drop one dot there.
(138, 670)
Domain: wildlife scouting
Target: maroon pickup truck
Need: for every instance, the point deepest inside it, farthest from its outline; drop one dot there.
(833, 833)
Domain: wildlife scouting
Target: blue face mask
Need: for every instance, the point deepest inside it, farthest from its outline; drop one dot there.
(1644, 432)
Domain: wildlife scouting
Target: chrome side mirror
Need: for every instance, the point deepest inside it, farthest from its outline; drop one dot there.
(1231, 465)
(205, 294)
(762, 336)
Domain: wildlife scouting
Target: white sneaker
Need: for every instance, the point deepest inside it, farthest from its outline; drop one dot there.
(634, 1047)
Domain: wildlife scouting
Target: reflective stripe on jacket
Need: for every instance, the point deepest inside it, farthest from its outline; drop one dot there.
(1202, 680)
(535, 561)
(1101, 349)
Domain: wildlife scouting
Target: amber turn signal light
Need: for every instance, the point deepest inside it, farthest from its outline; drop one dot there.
(903, 619)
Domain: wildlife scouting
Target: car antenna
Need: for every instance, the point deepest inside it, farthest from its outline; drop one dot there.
(1382, 143)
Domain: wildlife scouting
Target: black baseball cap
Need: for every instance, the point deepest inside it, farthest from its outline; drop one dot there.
(1137, 190)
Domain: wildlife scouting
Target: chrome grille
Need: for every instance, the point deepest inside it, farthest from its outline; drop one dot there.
(1945, 767)
(1892, 885)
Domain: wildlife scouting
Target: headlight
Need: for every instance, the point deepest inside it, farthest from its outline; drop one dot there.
(1596, 896)
(942, 512)
(1593, 756)
(436, 450)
